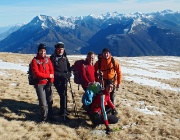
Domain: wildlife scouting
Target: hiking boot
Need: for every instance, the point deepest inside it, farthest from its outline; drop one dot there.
(43, 120)
(62, 112)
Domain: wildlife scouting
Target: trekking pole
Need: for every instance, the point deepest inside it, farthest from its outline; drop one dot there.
(65, 101)
(101, 79)
(72, 93)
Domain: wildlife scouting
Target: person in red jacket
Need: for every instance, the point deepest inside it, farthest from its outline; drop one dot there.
(87, 71)
(98, 113)
(43, 70)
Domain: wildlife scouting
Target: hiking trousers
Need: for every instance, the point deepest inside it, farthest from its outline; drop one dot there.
(61, 87)
(98, 119)
(112, 95)
(44, 94)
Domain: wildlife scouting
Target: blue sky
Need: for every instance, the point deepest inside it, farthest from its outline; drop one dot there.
(19, 11)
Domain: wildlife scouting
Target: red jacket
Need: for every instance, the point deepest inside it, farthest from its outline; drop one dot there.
(87, 72)
(43, 70)
(99, 103)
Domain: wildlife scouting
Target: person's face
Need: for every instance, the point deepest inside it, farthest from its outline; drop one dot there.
(90, 58)
(42, 52)
(60, 51)
(109, 88)
(106, 55)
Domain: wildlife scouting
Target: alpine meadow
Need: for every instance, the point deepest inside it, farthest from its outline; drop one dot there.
(148, 102)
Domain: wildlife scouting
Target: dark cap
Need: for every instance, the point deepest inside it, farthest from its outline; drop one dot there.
(105, 50)
(108, 82)
(59, 45)
(41, 46)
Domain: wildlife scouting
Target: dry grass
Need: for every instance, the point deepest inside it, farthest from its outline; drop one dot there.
(19, 112)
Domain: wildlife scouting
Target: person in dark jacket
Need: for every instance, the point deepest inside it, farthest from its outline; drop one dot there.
(98, 114)
(87, 71)
(62, 73)
(43, 70)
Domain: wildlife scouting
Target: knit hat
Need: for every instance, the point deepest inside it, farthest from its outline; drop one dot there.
(59, 45)
(41, 46)
(105, 50)
(108, 82)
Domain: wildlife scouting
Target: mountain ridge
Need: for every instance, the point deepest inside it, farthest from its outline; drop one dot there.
(135, 34)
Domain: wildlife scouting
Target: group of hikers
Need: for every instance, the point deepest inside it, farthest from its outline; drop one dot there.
(56, 70)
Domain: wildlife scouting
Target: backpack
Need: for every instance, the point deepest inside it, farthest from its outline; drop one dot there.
(31, 78)
(76, 71)
(90, 94)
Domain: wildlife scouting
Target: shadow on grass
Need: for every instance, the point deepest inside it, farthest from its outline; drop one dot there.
(23, 111)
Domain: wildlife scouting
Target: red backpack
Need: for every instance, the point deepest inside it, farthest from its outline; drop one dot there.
(77, 71)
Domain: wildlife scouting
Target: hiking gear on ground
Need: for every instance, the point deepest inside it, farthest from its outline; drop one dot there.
(41, 46)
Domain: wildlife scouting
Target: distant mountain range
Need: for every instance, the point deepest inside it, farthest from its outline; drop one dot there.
(137, 34)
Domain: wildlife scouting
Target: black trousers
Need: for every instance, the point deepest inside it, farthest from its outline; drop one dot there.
(98, 119)
(61, 87)
(45, 97)
(112, 95)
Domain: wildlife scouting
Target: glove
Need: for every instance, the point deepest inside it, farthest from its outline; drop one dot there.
(108, 130)
(117, 87)
(114, 112)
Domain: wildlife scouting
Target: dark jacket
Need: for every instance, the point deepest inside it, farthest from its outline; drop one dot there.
(61, 66)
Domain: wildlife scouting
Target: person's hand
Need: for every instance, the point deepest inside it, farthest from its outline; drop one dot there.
(108, 130)
(51, 76)
(117, 87)
(114, 112)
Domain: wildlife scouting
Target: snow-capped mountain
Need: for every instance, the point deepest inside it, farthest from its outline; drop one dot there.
(126, 35)
(10, 29)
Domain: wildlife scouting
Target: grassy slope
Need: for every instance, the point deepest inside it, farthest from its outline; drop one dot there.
(19, 110)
